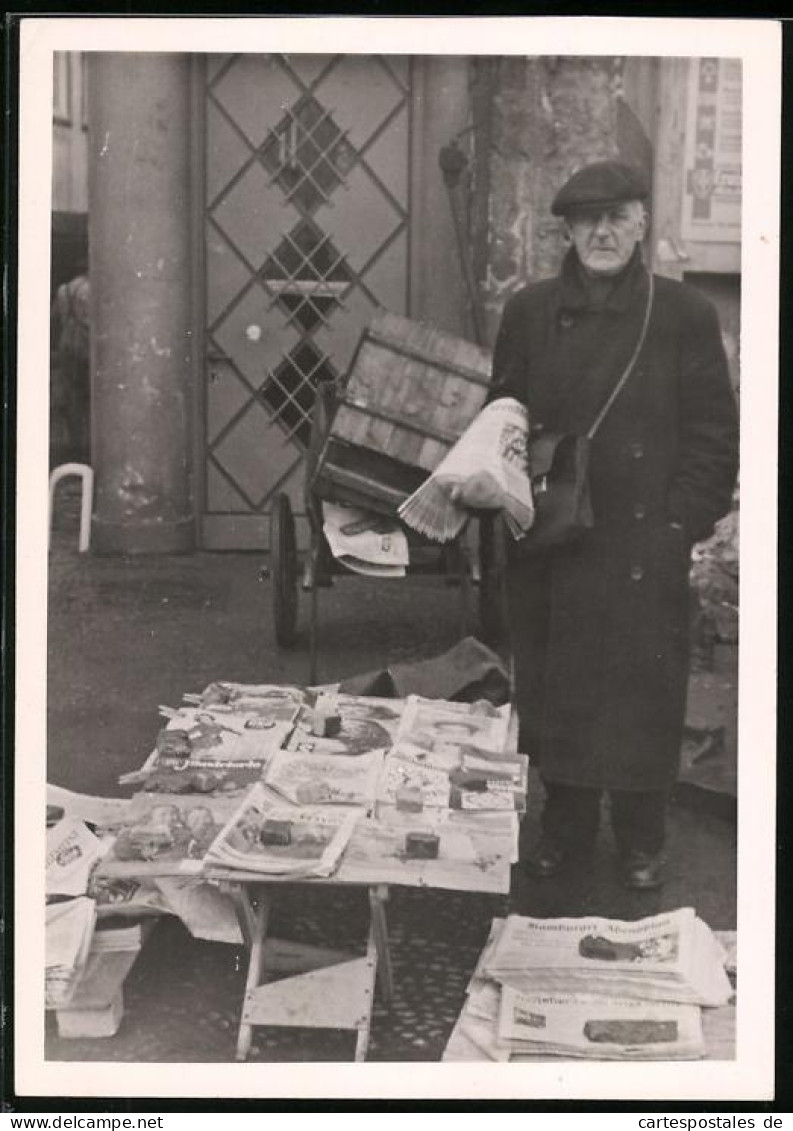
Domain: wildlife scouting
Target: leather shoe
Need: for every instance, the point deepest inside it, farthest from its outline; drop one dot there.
(641, 871)
(548, 859)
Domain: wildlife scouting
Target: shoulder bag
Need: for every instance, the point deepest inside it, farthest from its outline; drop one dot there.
(559, 473)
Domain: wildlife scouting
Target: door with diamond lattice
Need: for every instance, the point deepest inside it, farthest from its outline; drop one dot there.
(306, 234)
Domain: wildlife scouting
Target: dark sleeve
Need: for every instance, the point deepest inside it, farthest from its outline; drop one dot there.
(509, 373)
(701, 490)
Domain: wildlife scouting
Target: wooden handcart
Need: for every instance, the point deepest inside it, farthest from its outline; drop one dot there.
(411, 392)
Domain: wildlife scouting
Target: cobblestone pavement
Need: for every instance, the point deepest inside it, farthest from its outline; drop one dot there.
(128, 634)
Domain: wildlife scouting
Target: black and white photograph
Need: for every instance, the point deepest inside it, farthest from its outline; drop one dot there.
(397, 395)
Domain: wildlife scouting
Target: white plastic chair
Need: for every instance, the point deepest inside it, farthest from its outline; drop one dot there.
(86, 476)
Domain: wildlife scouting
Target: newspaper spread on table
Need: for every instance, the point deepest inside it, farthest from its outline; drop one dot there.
(437, 725)
(365, 727)
(166, 835)
(475, 851)
(325, 779)
(669, 957)
(488, 464)
(278, 702)
(364, 542)
(275, 839)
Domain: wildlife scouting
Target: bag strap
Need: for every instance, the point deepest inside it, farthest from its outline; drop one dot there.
(629, 367)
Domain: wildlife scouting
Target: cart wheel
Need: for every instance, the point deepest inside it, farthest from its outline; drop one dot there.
(283, 554)
(492, 597)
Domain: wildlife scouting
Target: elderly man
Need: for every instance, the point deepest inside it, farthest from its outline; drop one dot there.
(600, 628)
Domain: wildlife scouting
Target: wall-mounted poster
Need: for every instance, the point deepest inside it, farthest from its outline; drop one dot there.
(712, 186)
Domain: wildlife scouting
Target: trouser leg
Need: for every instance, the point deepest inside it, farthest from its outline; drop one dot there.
(639, 820)
(571, 815)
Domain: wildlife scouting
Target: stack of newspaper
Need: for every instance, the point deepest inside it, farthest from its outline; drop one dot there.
(598, 1028)
(538, 991)
(69, 930)
(487, 468)
(668, 957)
(364, 542)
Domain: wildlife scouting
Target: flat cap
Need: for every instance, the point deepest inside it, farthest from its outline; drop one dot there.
(601, 183)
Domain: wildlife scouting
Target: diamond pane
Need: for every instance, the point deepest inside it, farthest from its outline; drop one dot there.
(252, 212)
(290, 389)
(361, 95)
(254, 92)
(256, 456)
(307, 154)
(256, 335)
(361, 218)
(308, 274)
(226, 151)
(226, 273)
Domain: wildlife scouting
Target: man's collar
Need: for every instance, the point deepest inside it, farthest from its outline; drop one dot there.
(627, 285)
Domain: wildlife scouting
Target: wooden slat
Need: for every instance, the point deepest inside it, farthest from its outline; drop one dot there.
(335, 997)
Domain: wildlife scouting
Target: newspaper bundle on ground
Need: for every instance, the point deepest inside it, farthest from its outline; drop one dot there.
(325, 779)
(436, 725)
(283, 839)
(489, 465)
(72, 852)
(364, 542)
(669, 957)
(600, 1028)
(69, 928)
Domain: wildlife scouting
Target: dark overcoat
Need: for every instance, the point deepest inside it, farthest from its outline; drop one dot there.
(600, 630)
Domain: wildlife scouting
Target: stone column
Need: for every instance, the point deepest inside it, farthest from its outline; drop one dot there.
(142, 332)
(550, 116)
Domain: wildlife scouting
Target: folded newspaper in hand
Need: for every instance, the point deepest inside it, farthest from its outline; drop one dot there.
(488, 467)
(363, 542)
(669, 957)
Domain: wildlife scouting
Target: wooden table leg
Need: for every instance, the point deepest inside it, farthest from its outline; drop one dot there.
(377, 899)
(255, 964)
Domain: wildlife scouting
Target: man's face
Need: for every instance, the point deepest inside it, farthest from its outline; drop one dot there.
(605, 237)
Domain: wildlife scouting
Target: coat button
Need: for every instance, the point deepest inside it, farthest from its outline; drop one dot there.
(639, 511)
(637, 573)
(637, 449)
(566, 321)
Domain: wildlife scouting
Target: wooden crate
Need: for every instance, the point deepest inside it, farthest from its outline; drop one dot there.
(412, 391)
